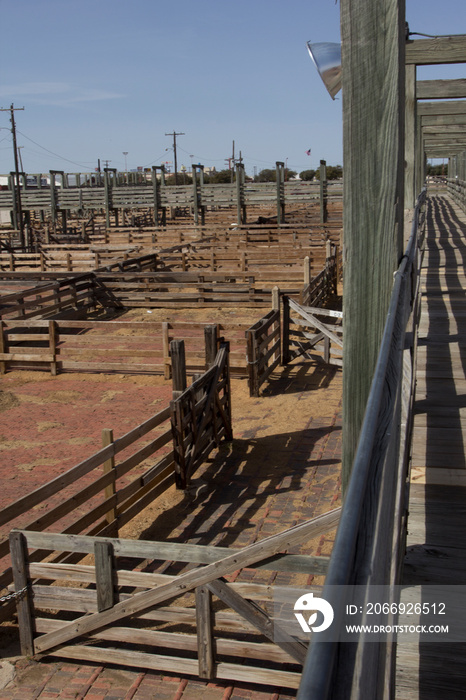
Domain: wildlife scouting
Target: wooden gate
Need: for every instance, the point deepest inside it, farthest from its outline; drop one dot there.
(201, 417)
(182, 617)
(307, 333)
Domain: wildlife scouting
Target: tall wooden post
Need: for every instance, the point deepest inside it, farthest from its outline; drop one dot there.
(177, 353)
(373, 70)
(211, 334)
(323, 191)
(410, 137)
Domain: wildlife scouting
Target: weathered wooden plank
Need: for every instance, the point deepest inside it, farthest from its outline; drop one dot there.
(435, 50)
(103, 552)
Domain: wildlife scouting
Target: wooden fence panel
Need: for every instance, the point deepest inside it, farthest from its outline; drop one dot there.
(263, 343)
(224, 653)
(201, 417)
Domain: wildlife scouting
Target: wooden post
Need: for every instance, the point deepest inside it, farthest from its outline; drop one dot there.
(53, 347)
(410, 137)
(110, 490)
(177, 353)
(323, 192)
(167, 372)
(107, 186)
(211, 343)
(18, 553)
(307, 271)
(103, 552)
(205, 645)
(195, 195)
(286, 331)
(252, 360)
(373, 211)
(3, 346)
(276, 307)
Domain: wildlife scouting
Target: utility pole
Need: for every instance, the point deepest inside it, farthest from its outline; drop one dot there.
(12, 109)
(232, 164)
(175, 134)
(125, 153)
(106, 162)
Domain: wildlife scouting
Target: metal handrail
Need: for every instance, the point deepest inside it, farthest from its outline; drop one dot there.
(355, 551)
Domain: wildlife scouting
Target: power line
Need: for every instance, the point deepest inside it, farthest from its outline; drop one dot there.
(81, 165)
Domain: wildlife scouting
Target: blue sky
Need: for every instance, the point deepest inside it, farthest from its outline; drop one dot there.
(100, 77)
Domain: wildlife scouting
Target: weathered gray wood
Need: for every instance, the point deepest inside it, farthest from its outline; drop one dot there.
(226, 671)
(257, 617)
(109, 466)
(103, 552)
(434, 50)
(177, 353)
(205, 645)
(410, 135)
(185, 582)
(373, 201)
(441, 89)
(211, 334)
(18, 551)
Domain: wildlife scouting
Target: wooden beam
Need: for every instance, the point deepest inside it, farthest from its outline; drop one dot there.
(373, 196)
(410, 135)
(441, 119)
(441, 108)
(442, 49)
(441, 89)
(440, 130)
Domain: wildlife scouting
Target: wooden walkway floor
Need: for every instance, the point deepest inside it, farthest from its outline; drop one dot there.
(436, 551)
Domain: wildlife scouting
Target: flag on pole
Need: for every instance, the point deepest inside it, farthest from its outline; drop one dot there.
(308, 153)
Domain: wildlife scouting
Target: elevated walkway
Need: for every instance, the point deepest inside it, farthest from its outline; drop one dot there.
(436, 546)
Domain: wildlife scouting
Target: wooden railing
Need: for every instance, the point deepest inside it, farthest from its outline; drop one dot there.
(457, 190)
(370, 541)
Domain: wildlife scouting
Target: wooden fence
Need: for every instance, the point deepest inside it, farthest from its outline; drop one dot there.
(73, 294)
(99, 495)
(78, 258)
(109, 195)
(112, 346)
(185, 290)
(219, 626)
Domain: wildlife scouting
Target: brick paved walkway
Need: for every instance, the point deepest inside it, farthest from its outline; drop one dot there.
(283, 467)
